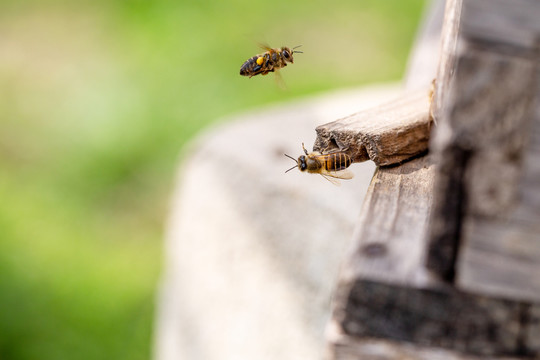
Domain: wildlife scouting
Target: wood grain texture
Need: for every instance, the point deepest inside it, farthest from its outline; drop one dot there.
(445, 225)
(442, 317)
(501, 233)
(388, 134)
(384, 291)
(485, 212)
(505, 25)
(448, 45)
(348, 347)
(484, 233)
(389, 237)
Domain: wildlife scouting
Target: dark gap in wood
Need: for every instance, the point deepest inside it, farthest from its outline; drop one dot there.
(494, 46)
(414, 157)
(443, 317)
(447, 214)
(524, 320)
(333, 145)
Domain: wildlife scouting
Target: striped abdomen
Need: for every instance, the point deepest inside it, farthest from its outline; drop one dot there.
(250, 67)
(336, 161)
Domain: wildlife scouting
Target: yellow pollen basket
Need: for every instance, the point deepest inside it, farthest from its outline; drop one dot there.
(260, 60)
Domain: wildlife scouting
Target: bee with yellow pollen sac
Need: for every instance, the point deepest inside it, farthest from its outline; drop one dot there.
(269, 61)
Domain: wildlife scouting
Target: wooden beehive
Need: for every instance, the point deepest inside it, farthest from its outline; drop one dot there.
(446, 256)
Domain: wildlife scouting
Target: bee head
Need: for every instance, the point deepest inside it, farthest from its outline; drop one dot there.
(300, 163)
(287, 54)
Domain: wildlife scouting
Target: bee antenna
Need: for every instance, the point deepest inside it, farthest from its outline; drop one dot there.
(297, 46)
(290, 157)
(291, 169)
(298, 52)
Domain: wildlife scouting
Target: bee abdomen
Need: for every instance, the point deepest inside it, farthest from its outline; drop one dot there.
(337, 162)
(250, 67)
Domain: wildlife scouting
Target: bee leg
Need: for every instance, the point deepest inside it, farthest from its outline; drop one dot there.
(267, 60)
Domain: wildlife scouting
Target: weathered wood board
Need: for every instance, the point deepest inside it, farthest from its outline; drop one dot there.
(485, 234)
(387, 134)
(389, 238)
(443, 318)
(385, 292)
(478, 296)
(444, 223)
(347, 347)
(449, 42)
(500, 252)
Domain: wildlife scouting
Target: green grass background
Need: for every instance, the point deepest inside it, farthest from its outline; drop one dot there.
(97, 99)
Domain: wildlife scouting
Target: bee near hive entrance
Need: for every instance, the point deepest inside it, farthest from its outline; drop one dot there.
(332, 166)
(269, 61)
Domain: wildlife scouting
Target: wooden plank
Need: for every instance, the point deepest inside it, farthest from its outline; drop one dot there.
(487, 191)
(449, 36)
(346, 347)
(501, 234)
(387, 134)
(389, 238)
(384, 291)
(442, 317)
(445, 224)
(505, 25)
(387, 306)
(531, 331)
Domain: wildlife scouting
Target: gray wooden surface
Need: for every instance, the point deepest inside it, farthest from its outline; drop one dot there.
(485, 233)
(388, 242)
(385, 291)
(387, 134)
(436, 317)
(446, 56)
(353, 348)
(442, 244)
(446, 256)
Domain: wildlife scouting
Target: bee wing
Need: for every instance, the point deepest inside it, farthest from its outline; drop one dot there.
(331, 179)
(333, 176)
(279, 80)
(264, 46)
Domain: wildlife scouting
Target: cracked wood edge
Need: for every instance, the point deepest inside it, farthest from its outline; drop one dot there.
(388, 134)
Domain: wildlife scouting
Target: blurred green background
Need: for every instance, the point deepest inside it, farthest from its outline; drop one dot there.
(97, 99)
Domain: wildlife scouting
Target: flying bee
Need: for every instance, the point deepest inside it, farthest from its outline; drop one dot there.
(331, 166)
(271, 60)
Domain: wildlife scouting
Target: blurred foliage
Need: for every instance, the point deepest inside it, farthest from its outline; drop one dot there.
(97, 99)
